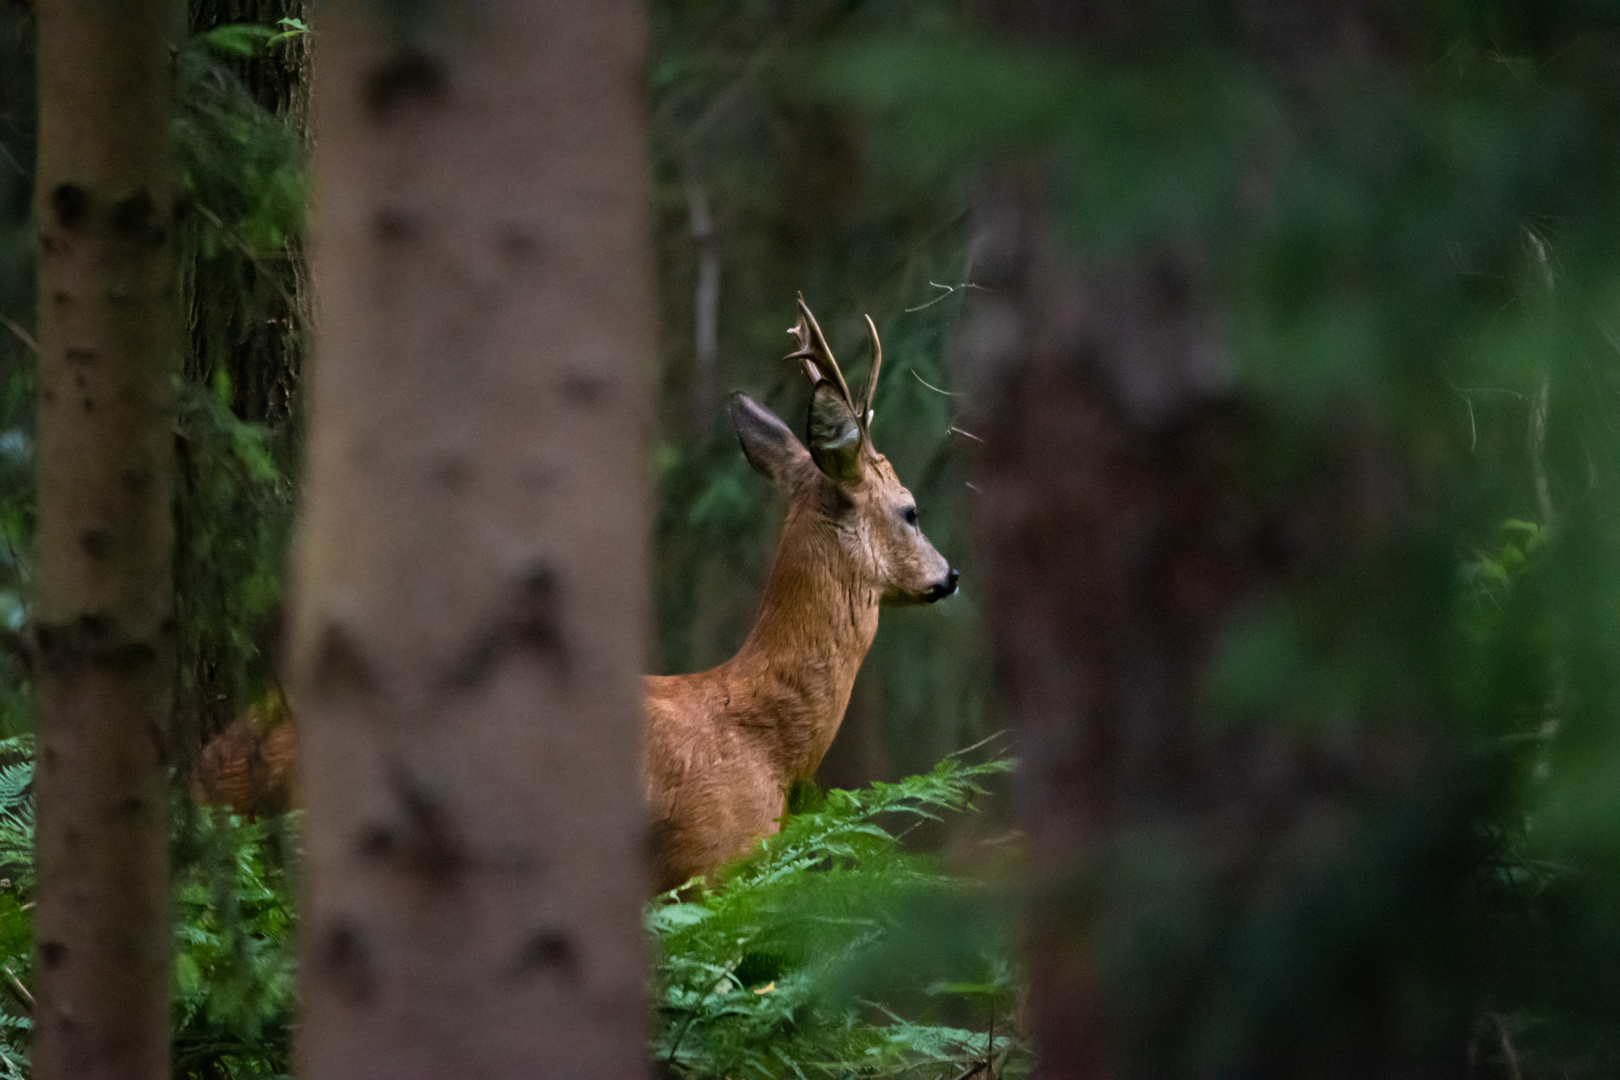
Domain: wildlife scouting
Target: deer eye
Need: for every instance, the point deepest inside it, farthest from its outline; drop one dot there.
(910, 514)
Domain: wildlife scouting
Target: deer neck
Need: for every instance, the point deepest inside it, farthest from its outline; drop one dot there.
(794, 673)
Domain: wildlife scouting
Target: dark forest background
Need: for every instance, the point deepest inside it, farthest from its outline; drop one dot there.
(1255, 361)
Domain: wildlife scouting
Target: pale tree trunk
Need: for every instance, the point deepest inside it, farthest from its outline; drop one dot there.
(469, 587)
(103, 634)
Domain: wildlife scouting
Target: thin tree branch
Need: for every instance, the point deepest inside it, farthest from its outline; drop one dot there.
(12, 159)
(706, 302)
(1507, 1047)
(950, 290)
(992, 737)
(931, 386)
(20, 334)
(23, 995)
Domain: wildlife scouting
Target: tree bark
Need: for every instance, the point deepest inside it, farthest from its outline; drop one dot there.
(469, 583)
(1120, 532)
(1114, 544)
(103, 634)
(245, 313)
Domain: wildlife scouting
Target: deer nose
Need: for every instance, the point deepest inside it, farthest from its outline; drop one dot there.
(942, 589)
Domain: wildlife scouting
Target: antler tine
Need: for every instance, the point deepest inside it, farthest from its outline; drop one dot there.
(814, 344)
(872, 375)
(800, 333)
(801, 336)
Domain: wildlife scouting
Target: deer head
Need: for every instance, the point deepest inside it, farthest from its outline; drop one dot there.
(837, 478)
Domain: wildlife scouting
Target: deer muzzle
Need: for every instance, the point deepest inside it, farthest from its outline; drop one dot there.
(941, 589)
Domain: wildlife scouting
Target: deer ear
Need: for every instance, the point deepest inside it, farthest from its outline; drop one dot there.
(767, 443)
(835, 437)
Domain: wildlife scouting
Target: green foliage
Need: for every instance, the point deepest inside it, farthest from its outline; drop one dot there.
(248, 39)
(17, 110)
(234, 993)
(234, 970)
(241, 170)
(16, 887)
(783, 966)
(17, 812)
(237, 521)
(240, 165)
(16, 538)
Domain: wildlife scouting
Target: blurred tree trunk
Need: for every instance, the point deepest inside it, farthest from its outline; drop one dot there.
(102, 636)
(469, 586)
(1114, 547)
(1120, 533)
(246, 315)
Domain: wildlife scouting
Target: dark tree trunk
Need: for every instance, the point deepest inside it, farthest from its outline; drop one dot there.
(246, 314)
(103, 632)
(469, 586)
(1120, 532)
(1115, 541)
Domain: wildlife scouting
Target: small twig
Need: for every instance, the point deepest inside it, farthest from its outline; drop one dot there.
(721, 101)
(17, 565)
(931, 386)
(971, 487)
(706, 302)
(22, 991)
(954, 430)
(992, 737)
(680, 1036)
(990, 1045)
(21, 335)
(1538, 451)
(950, 290)
(12, 160)
(1507, 1047)
(13, 643)
(250, 255)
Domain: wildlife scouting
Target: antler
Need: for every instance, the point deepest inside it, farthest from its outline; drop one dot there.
(814, 353)
(812, 348)
(871, 375)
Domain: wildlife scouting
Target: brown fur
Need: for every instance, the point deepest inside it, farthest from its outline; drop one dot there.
(248, 768)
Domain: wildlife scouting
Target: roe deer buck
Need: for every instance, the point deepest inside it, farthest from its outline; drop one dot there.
(720, 748)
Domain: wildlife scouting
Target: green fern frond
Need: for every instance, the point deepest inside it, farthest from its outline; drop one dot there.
(752, 966)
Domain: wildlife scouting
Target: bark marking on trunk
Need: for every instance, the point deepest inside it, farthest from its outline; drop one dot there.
(102, 635)
(469, 587)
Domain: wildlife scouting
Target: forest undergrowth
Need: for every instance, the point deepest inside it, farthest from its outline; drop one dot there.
(819, 955)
